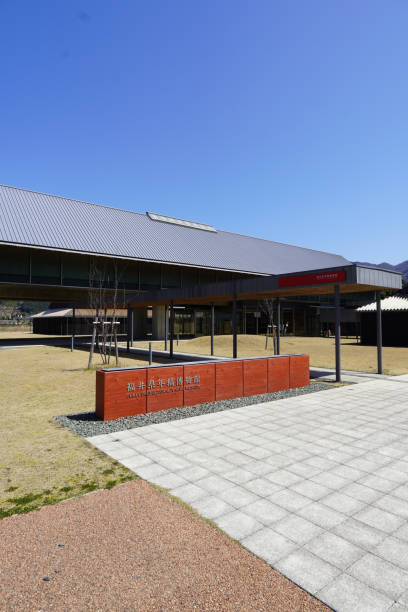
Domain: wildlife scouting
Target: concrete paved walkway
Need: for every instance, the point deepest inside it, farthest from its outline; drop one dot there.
(316, 485)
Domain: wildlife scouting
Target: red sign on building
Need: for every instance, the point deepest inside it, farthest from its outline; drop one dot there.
(320, 278)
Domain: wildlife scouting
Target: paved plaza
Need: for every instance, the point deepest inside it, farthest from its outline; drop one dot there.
(317, 485)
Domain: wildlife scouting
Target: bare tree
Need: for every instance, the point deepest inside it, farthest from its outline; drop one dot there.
(103, 300)
(267, 308)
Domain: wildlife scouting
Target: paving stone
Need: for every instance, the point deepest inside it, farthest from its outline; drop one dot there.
(381, 575)
(360, 492)
(239, 476)
(150, 471)
(193, 473)
(311, 489)
(214, 484)
(332, 481)
(262, 487)
(322, 515)
(135, 461)
(290, 500)
(395, 551)
(402, 532)
(380, 484)
(359, 533)
(335, 550)
(264, 511)
(393, 504)
(284, 478)
(238, 496)
(168, 481)
(346, 594)
(211, 507)
(343, 503)
(189, 492)
(257, 452)
(306, 569)
(269, 545)
(297, 529)
(237, 524)
(380, 519)
(123, 452)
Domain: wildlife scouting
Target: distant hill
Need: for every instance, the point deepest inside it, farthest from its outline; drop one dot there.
(401, 267)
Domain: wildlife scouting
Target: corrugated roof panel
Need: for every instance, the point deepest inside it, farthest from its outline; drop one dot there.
(48, 221)
(393, 302)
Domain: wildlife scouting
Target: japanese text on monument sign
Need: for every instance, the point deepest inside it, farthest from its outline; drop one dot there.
(161, 385)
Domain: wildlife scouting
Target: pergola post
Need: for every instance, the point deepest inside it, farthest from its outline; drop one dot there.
(166, 326)
(337, 331)
(278, 324)
(379, 334)
(128, 336)
(212, 329)
(171, 328)
(234, 325)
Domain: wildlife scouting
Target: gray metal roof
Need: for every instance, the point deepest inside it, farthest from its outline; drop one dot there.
(36, 219)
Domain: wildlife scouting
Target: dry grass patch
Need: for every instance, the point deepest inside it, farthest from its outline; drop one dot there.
(321, 350)
(40, 461)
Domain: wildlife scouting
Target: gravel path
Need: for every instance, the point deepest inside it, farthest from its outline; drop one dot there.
(133, 549)
(87, 424)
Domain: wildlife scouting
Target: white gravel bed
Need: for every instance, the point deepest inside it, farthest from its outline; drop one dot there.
(87, 424)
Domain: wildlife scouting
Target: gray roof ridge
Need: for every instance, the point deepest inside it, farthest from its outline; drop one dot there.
(282, 243)
(54, 195)
(144, 215)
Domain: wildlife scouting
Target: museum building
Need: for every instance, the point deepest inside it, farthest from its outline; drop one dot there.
(58, 249)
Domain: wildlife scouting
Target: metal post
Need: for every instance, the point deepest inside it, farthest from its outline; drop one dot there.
(337, 331)
(278, 323)
(212, 329)
(379, 334)
(244, 318)
(166, 326)
(171, 328)
(150, 354)
(73, 330)
(234, 325)
(128, 331)
(132, 327)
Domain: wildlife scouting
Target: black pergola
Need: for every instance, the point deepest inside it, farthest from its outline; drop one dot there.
(346, 279)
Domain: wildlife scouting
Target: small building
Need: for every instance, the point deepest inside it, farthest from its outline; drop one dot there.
(394, 322)
(64, 321)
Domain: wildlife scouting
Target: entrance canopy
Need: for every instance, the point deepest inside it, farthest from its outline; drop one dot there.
(349, 279)
(345, 279)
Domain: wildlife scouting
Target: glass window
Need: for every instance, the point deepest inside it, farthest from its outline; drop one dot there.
(150, 276)
(75, 270)
(45, 268)
(14, 265)
(171, 276)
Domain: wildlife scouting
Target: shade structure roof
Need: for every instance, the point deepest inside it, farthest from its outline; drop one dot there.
(393, 302)
(53, 313)
(29, 218)
(350, 279)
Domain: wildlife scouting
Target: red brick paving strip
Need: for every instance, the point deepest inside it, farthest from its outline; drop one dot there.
(133, 549)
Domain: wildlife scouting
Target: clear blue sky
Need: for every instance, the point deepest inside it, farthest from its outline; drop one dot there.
(283, 119)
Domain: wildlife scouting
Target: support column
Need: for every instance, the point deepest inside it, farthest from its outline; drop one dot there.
(166, 326)
(73, 329)
(158, 331)
(278, 324)
(132, 331)
(234, 326)
(379, 334)
(337, 331)
(171, 328)
(128, 336)
(138, 324)
(212, 329)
